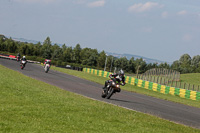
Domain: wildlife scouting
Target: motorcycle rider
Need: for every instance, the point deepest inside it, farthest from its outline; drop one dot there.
(23, 59)
(18, 56)
(47, 61)
(119, 77)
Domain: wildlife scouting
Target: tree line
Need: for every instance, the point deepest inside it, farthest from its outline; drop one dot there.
(87, 57)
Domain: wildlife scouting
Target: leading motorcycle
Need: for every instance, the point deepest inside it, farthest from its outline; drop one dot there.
(46, 68)
(111, 88)
(23, 63)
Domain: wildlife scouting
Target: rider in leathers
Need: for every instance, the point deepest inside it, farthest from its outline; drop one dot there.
(119, 77)
(18, 56)
(23, 59)
(47, 62)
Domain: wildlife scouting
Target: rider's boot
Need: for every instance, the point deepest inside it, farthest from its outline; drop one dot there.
(104, 89)
(104, 92)
(105, 86)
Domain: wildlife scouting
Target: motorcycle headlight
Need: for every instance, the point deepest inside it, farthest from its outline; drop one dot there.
(113, 83)
(117, 86)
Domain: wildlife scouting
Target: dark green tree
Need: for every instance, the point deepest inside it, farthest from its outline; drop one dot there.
(185, 63)
(64, 47)
(140, 65)
(56, 52)
(12, 47)
(23, 48)
(101, 60)
(46, 48)
(76, 54)
(67, 54)
(131, 65)
(4, 46)
(195, 61)
(121, 63)
(164, 65)
(89, 56)
(176, 65)
(38, 48)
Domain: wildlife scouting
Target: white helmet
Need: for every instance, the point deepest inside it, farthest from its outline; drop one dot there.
(24, 56)
(121, 72)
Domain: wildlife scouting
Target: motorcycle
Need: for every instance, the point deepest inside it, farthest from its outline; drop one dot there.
(18, 58)
(23, 64)
(46, 68)
(111, 88)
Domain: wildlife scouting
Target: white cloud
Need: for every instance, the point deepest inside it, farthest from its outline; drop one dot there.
(96, 3)
(164, 15)
(144, 7)
(182, 12)
(187, 37)
(36, 1)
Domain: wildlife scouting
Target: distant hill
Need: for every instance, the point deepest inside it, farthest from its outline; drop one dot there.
(25, 40)
(128, 56)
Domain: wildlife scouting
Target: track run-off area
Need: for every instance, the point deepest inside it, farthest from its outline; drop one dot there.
(175, 112)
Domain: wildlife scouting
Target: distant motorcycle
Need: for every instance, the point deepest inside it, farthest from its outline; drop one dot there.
(111, 88)
(23, 63)
(46, 68)
(18, 58)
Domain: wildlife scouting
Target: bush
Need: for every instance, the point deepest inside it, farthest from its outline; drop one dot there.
(63, 63)
(33, 58)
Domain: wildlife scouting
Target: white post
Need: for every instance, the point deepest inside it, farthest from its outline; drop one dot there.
(105, 63)
(115, 69)
(111, 65)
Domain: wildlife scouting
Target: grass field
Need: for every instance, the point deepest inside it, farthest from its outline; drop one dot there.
(28, 105)
(132, 88)
(192, 78)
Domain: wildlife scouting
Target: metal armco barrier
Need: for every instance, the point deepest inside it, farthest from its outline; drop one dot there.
(11, 57)
(188, 94)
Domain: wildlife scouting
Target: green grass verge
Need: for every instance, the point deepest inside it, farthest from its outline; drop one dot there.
(191, 78)
(29, 105)
(129, 87)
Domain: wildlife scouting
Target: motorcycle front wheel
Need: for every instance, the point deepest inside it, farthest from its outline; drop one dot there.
(103, 95)
(46, 69)
(110, 93)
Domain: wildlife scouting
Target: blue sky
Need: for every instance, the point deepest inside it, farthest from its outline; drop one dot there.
(158, 29)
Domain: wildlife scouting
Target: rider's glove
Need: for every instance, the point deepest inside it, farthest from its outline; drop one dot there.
(123, 84)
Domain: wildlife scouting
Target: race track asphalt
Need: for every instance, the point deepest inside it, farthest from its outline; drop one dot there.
(175, 112)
